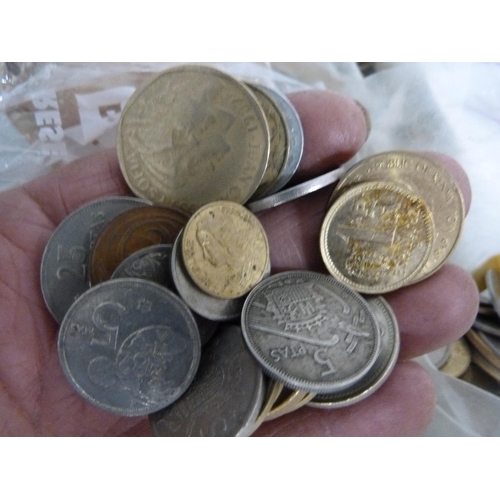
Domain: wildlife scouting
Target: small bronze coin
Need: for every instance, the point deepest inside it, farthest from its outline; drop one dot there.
(130, 232)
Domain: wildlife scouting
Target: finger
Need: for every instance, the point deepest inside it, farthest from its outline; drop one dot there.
(435, 311)
(334, 127)
(403, 406)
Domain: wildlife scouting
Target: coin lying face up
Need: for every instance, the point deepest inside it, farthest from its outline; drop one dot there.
(129, 346)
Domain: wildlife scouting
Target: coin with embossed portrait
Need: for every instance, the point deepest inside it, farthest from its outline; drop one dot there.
(310, 332)
(225, 397)
(64, 270)
(193, 135)
(376, 237)
(129, 346)
(225, 249)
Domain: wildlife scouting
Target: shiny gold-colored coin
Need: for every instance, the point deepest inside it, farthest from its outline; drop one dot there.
(131, 231)
(459, 360)
(225, 249)
(376, 237)
(193, 135)
(293, 401)
(429, 181)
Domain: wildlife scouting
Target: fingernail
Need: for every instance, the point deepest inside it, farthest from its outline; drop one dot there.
(367, 119)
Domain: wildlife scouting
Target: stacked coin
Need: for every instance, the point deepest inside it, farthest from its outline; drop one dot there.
(394, 219)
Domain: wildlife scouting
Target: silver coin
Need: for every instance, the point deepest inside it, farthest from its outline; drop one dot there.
(384, 364)
(205, 305)
(225, 397)
(295, 192)
(440, 356)
(64, 269)
(295, 136)
(487, 324)
(492, 278)
(151, 263)
(310, 331)
(129, 346)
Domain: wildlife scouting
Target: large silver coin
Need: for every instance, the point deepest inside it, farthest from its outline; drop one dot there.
(205, 305)
(225, 397)
(310, 332)
(295, 192)
(151, 263)
(64, 269)
(389, 350)
(295, 137)
(129, 346)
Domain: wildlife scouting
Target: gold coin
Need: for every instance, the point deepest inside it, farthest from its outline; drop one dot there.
(225, 249)
(273, 392)
(193, 135)
(376, 237)
(429, 181)
(459, 360)
(292, 402)
(279, 141)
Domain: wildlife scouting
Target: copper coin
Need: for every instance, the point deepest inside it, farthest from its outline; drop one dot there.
(135, 229)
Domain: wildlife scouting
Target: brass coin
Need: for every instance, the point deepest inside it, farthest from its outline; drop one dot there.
(279, 140)
(272, 394)
(429, 181)
(225, 249)
(191, 136)
(376, 237)
(133, 230)
(293, 401)
(459, 360)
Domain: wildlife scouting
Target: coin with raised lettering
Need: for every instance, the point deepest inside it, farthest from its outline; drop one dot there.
(129, 346)
(130, 232)
(376, 237)
(429, 181)
(384, 364)
(64, 272)
(225, 397)
(193, 135)
(225, 249)
(310, 332)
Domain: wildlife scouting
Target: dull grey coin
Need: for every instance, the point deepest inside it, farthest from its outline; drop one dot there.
(310, 332)
(64, 269)
(225, 397)
(151, 263)
(295, 192)
(205, 305)
(129, 346)
(295, 138)
(384, 364)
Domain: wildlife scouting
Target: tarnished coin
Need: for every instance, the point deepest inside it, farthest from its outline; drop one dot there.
(384, 364)
(129, 346)
(295, 138)
(193, 135)
(488, 346)
(310, 332)
(64, 271)
(152, 263)
(429, 181)
(278, 140)
(459, 360)
(376, 237)
(225, 396)
(135, 229)
(225, 249)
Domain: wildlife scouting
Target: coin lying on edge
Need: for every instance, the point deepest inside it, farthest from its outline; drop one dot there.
(193, 135)
(129, 346)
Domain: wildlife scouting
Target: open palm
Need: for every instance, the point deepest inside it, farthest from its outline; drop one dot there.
(35, 397)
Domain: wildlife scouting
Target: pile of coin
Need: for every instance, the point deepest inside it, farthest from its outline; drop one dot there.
(140, 285)
(394, 219)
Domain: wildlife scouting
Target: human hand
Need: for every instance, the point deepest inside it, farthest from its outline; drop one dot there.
(36, 398)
